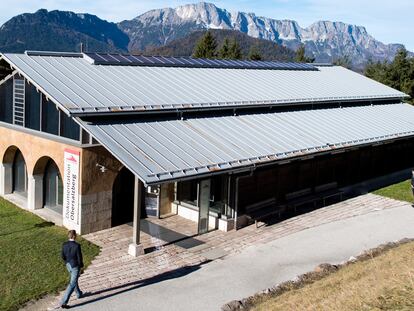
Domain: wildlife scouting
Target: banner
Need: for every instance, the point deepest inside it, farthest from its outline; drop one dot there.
(71, 189)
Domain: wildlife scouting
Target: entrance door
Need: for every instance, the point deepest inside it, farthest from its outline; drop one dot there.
(204, 205)
(123, 198)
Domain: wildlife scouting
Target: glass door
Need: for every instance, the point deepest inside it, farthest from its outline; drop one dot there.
(204, 205)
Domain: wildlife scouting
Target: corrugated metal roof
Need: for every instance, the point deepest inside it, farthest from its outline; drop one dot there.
(81, 87)
(159, 151)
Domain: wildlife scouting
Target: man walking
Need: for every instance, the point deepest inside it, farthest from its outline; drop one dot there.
(72, 255)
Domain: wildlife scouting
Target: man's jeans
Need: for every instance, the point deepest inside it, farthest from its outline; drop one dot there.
(73, 284)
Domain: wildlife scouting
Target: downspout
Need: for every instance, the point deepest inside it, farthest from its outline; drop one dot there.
(236, 202)
(236, 199)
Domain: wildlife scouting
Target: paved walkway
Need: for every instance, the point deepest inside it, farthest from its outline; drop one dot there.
(155, 233)
(169, 277)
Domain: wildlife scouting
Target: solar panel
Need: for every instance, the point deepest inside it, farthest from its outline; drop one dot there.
(163, 61)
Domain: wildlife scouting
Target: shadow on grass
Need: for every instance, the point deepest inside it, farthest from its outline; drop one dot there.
(177, 273)
(44, 224)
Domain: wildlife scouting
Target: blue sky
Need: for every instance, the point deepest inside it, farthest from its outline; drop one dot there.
(388, 21)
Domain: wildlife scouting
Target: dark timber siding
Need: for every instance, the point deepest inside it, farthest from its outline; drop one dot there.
(345, 169)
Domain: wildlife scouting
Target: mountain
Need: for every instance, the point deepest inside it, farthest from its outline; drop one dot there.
(61, 31)
(184, 46)
(323, 40)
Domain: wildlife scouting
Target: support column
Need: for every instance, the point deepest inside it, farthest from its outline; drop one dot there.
(6, 178)
(35, 192)
(135, 249)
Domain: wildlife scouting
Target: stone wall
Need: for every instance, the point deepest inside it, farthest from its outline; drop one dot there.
(96, 189)
(95, 185)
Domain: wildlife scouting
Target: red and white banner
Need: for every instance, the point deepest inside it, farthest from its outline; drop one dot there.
(71, 190)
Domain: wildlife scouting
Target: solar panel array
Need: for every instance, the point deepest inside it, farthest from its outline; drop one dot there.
(161, 61)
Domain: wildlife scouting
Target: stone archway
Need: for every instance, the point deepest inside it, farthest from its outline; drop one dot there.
(13, 172)
(46, 187)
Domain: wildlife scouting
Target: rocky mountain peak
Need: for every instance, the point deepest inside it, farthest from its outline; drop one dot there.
(324, 40)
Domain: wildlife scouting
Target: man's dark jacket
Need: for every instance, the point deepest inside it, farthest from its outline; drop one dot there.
(72, 254)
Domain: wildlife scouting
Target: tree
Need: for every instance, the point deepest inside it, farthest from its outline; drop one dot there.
(301, 56)
(254, 53)
(224, 51)
(206, 47)
(344, 61)
(235, 50)
(398, 74)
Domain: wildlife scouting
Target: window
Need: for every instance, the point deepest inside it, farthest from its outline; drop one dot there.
(50, 117)
(53, 188)
(19, 174)
(32, 109)
(187, 192)
(6, 101)
(218, 194)
(69, 128)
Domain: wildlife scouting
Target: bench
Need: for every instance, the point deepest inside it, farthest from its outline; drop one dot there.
(327, 191)
(300, 197)
(263, 209)
(320, 193)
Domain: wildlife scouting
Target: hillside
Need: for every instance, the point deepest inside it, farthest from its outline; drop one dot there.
(60, 31)
(185, 46)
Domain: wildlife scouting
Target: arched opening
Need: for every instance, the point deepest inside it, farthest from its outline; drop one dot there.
(19, 174)
(47, 190)
(123, 198)
(52, 188)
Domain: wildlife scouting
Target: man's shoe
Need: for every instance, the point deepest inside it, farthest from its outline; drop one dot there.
(85, 294)
(65, 306)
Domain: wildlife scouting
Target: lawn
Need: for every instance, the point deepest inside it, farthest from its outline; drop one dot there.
(401, 191)
(385, 282)
(30, 263)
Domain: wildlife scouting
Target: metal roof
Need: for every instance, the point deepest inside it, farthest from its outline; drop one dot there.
(79, 87)
(160, 151)
(189, 62)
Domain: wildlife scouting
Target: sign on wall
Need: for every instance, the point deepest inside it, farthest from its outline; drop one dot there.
(71, 189)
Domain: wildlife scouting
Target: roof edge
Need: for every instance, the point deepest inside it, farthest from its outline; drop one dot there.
(220, 106)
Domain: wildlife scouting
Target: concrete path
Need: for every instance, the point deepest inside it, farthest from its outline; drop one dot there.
(208, 286)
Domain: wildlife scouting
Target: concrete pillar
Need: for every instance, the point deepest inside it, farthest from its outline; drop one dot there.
(35, 192)
(6, 178)
(135, 249)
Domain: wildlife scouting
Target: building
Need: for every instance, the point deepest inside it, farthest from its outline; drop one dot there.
(102, 139)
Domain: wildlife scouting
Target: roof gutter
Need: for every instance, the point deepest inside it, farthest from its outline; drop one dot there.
(123, 111)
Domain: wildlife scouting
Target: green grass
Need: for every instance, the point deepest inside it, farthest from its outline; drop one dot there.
(30, 263)
(401, 191)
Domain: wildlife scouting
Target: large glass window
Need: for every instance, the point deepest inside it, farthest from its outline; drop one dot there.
(218, 194)
(50, 117)
(6, 101)
(187, 192)
(32, 108)
(69, 128)
(53, 188)
(19, 174)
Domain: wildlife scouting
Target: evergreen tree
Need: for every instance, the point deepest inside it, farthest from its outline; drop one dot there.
(254, 53)
(344, 61)
(398, 74)
(206, 47)
(301, 56)
(225, 49)
(235, 50)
